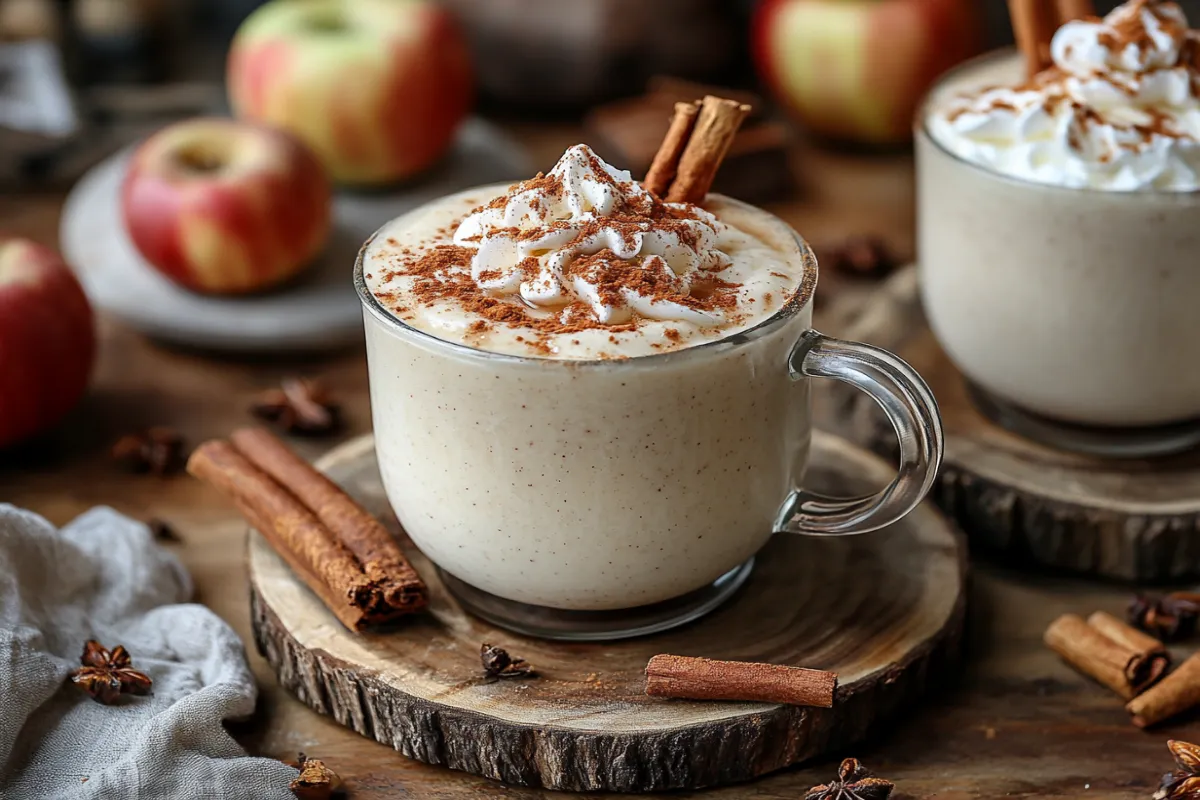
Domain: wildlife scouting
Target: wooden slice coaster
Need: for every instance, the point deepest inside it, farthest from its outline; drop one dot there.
(884, 611)
(1128, 519)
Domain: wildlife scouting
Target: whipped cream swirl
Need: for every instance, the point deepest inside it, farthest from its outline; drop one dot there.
(1119, 110)
(588, 232)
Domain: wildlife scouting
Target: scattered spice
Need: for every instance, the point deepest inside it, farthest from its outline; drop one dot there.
(158, 450)
(106, 675)
(316, 781)
(1170, 617)
(853, 782)
(162, 530)
(1183, 783)
(497, 663)
(299, 406)
(860, 256)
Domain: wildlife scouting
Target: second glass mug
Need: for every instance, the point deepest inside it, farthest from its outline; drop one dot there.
(587, 500)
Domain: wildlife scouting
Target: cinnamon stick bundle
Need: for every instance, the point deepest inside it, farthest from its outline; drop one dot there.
(339, 550)
(1175, 694)
(692, 151)
(685, 677)
(1122, 658)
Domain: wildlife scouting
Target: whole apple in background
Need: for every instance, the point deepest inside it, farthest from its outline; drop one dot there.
(857, 70)
(226, 207)
(376, 87)
(47, 339)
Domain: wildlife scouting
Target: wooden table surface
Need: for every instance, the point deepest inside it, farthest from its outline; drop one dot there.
(1017, 724)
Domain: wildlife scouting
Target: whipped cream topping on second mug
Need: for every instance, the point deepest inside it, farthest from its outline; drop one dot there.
(583, 263)
(530, 240)
(1118, 110)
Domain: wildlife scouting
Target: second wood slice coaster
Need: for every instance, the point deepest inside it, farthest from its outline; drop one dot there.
(1129, 519)
(883, 610)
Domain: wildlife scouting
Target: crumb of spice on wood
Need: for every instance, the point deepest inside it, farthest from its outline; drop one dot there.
(860, 256)
(853, 782)
(158, 450)
(1168, 617)
(300, 406)
(497, 663)
(315, 781)
(108, 674)
(162, 530)
(1184, 782)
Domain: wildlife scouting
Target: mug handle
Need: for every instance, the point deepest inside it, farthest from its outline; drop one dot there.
(913, 412)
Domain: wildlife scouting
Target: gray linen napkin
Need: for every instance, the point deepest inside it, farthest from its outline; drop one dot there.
(103, 577)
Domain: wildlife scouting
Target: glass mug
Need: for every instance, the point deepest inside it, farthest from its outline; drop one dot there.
(588, 500)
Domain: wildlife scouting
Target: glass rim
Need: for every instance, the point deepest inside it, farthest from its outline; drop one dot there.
(799, 300)
(922, 127)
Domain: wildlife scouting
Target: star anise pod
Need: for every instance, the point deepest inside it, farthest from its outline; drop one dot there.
(298, 406)
(1171, 617)
(157, 450)
(853, 783)
(1183, 783)
(497, 663)
(316, 781)
(106, 675)
(862, 256)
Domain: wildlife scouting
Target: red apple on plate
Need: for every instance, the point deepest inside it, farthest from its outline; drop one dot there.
(376, 87)
(47, 339)
(856, 70)
(226, 207)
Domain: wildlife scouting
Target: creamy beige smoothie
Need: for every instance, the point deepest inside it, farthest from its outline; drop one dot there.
(587, 405)
(1059, 221)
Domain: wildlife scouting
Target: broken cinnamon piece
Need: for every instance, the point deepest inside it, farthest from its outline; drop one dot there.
(716, 125)
(686, 677)
(1033, 23)
(1069, 10)
(666, 161)
(315, 781)
(1176, 693)
(1122, 667)
(342, 553)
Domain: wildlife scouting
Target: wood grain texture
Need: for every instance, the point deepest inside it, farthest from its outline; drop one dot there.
(1135, 520)
(586, 724)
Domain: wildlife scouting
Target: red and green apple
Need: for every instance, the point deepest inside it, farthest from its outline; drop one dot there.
(226, 207)
(377, 88)
(856, 70)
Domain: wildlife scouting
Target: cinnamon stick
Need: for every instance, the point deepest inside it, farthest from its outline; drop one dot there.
(716, 125)
(1175, 694)
(1033, 23)
(1069, 10)
(382, 560)
(666, 161)
(1126, 665)
(345, 556)
(685, 677)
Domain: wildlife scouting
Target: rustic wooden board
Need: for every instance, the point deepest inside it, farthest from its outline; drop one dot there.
(885, 611)
(1128, 519)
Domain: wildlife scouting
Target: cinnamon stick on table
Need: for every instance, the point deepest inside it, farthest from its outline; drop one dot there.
(339, 550)
(1175, 694)
(1120, 657)
(685, 677)
(692, 151)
